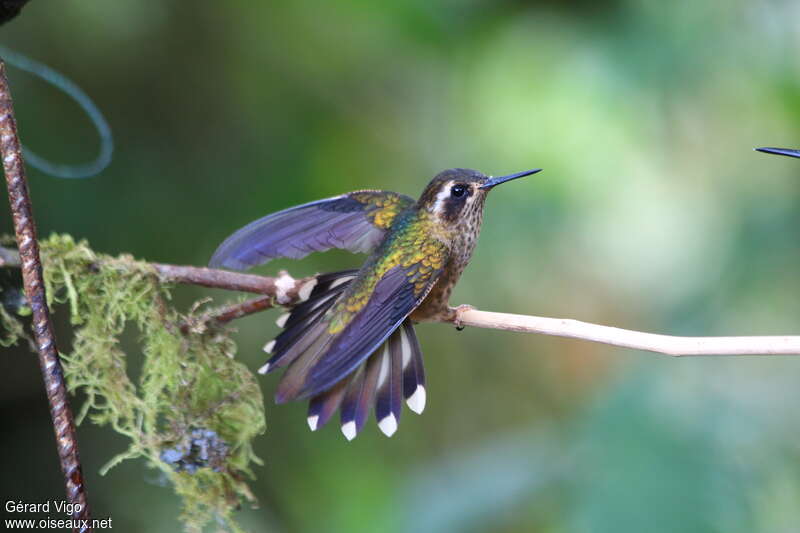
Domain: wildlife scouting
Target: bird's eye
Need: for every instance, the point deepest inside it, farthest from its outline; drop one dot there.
(458, 190)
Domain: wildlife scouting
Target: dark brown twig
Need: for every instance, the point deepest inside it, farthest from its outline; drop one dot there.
(232, 312)
(32, 276)
(283, 287)
(232, 281)
(282, 290)
(225, 314)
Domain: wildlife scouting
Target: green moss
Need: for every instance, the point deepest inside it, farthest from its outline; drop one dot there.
(189, 384)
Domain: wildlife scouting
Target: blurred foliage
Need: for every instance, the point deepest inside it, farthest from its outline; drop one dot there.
(652, 213)
(12, 328)
(189, 390)
(13, 305)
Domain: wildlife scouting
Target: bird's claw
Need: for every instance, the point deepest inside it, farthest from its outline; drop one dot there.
(457, 312)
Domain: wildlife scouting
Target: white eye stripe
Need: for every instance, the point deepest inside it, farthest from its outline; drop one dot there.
(441, 196)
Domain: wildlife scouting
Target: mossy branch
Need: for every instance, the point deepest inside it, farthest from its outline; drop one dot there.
(193, 412)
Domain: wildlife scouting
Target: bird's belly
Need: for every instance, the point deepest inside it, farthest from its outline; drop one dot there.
(436, 306)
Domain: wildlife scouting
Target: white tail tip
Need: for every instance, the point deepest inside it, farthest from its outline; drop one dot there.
(269, 346)
(282, 320)
(416, 402)
(264, 369)
(388, 425)
(349, 430)
(312, 422)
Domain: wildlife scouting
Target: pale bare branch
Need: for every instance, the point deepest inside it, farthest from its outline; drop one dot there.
(652, 342)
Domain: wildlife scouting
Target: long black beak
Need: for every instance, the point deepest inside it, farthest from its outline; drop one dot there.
(502, 179)
(780, 151)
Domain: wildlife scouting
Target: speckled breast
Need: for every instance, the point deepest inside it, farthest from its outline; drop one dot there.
(436, 305)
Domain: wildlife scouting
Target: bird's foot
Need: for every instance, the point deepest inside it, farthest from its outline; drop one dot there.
(456, 315)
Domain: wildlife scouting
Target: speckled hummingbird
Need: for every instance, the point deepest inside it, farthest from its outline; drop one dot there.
(350, 343)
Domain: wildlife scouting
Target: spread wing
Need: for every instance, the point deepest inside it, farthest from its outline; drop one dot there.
(355, 221)
(371, 308)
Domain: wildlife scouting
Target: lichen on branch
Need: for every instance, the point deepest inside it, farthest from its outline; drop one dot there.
(191, 395)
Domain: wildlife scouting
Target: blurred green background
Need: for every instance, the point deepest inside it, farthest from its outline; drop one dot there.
(653, 213)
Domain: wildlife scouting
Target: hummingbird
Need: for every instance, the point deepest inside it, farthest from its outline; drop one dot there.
(349, 344)
(780, 151)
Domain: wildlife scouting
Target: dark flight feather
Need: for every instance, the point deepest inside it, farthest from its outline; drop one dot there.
(413, 369)
(327, 287)
(306, 315)
(389, 401)
(324, 405)
(359, 398)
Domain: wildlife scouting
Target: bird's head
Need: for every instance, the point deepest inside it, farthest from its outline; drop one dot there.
(455, 194)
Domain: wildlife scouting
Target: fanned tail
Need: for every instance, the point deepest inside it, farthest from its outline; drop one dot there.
(393, 372)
